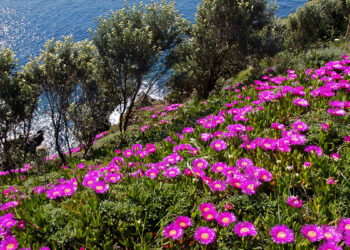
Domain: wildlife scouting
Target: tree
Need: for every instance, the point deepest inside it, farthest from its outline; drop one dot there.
(18, 100)
(227, 36)
(318, 20)
(59, 69)
(135, 49)
(89, 112)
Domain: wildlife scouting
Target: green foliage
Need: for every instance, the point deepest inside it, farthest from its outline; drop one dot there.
(18, 100)
(318, 20)
(135, 44)
(226, 37)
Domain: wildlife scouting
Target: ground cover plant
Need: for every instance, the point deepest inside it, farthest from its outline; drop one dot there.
(258, 165)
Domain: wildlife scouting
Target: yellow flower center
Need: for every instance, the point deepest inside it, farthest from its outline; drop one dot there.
(237, 184)
(200, 164)
(219, 168)
(112, 178)
(264, 177)
(206, 209)
(152, 174)
(182, 224)
(347, 227)
(10, 246)
(300, 126)
(281, 235)
(55, 193)
(172, 232)
(99, 188)
(244, 230)
(328, 236)
(226, 220)
(267, 144)
(172, 172)
(67, 190)
(205, 236)
(210, 216)
(217, 145)
(250, 186)
(311, 234)
(244, 163)
(218, 185)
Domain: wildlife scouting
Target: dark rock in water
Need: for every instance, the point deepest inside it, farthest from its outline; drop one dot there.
(34, 142)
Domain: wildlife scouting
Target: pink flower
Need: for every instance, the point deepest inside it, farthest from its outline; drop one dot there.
(293, 201)
(172, 172)
(128, 153)
(225, 219)
(183, 221)
(174, 231)
(200, 163)
(344, 225)
(300, 126)
(324, 126)
(217, 185)
(244, 229)
(331, 181)
(205, 235)
(312, 232)
(281, 234)
(330, 246)
(218, 145)
(100, 187)
(301, 102)
(9, 243)
(204, 207)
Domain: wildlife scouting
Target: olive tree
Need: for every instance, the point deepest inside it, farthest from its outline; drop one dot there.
(18, 100)
(226, 37)
(135, 49)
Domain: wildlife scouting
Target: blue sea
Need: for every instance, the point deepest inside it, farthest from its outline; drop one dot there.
(26, 25)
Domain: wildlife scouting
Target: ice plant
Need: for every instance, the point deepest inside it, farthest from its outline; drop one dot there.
(244, 229)
(100, 187)
(204, 207)
(173, 231)
(301, 102)
(329, 245)
(312, 232)
(332, 234)
(172, 172)
(218, 145)
(9, 243)
(225, 219)
(294, 201)
(183, 221)
(281, 234)
(344, 225)
(205, 235)
(217, 185)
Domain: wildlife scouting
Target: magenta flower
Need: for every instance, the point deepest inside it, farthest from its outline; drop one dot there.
(67, 189)
(300, 126)
(113, 178)
(328, 245)
(200, 163)
(217, 185)
(332, 234)
(9, 243)
(206, 136)
(244, 229)
(204, 207)
(244, 163)
(205, 235)
(264, 175)
(324, 126)
(100, 187)
(281, 234)
(198, 172)
(128, 153)
(277, 126)
(7, 221)
(347, 238)
(172, 172)
(314, 149)
(210, 215)
(347, 139)
(152, 173)
(174, 231)
(54, 192)
(218, 145)
(225, 219)
(301, 102)
(218, 167)
(344, 225)
(335, 156)
(312, 232)
(293, 201)
(187, 130)
(331, 181)
(249, 186)
(183, 221)
(336, 111)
